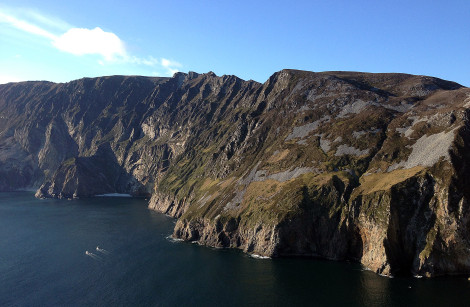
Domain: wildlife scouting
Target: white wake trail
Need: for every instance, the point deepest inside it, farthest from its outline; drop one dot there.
(102, 250)
(94, 256)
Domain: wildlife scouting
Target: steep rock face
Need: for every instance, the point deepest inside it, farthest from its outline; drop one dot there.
(340, 165)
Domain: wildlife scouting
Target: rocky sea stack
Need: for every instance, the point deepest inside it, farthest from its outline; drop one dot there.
(341, 165)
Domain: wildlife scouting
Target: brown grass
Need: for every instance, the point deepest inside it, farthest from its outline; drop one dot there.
(383, 181)
(278, 157)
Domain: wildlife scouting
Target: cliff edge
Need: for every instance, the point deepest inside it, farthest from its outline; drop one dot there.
(340, 165)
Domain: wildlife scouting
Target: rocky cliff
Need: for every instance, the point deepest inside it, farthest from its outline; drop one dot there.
(339, 165)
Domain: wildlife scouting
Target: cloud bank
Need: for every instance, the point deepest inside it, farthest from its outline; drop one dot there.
(81, 41)
(78, 41)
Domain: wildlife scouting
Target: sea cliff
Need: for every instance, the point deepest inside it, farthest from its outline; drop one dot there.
(339, 165)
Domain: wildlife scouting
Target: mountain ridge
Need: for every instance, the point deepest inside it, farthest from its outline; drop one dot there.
(339, 165)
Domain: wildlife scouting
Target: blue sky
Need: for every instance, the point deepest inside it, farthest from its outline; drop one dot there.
(51, 40)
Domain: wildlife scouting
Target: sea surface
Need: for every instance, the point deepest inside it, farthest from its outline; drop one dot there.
(43, 262)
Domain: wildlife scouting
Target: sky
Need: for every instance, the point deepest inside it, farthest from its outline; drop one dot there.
(65, 40)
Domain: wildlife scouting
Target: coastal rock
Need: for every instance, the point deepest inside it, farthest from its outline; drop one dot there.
(340, 165)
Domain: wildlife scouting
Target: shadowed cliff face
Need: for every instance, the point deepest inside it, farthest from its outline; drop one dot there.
(340, 165)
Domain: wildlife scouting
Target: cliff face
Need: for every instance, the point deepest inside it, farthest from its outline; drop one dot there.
(340, 165)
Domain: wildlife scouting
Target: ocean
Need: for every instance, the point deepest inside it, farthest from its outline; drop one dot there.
(112, 251)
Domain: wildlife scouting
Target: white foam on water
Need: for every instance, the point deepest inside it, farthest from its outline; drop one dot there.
(255, 256)
(173, 240)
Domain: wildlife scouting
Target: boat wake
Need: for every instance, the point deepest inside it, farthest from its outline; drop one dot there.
(94, 256)
(102, 250)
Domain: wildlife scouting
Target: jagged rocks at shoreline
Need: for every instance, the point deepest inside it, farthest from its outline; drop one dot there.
(341, 165)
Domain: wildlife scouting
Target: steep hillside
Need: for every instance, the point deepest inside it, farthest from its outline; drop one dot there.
(340, 165)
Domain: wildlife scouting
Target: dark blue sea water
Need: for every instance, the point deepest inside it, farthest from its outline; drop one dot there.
(43, 263)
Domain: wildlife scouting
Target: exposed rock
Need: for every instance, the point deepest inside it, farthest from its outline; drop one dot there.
(341, 165)
(348, 150)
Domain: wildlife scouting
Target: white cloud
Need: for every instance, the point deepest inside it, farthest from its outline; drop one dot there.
(48, 21)
(34, 17)
(171, 66)
(172, 71)
(148, 61)
(25, 26)
(168, 63)
(80, 41)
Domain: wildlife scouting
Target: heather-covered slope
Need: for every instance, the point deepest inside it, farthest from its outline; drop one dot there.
(341, 165)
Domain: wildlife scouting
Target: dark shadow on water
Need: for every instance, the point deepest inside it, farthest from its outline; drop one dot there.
(43, 262)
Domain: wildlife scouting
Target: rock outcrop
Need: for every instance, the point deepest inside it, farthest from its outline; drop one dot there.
(340, 165)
